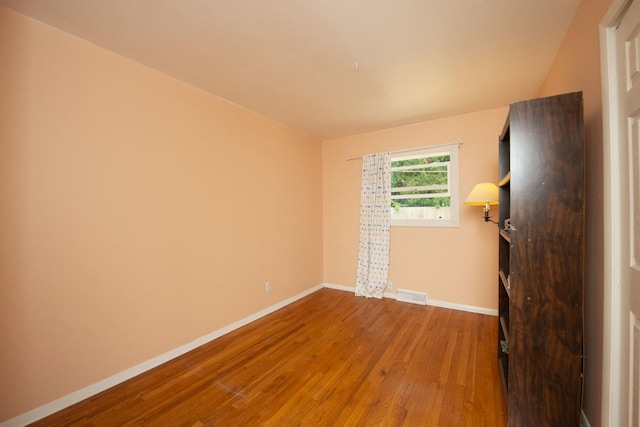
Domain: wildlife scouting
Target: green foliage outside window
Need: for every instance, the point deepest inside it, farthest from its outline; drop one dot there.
(435, 172)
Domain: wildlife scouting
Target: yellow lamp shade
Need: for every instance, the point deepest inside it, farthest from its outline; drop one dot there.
(483, 194)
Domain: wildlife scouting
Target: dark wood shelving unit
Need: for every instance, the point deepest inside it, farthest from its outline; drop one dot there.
(541, 260)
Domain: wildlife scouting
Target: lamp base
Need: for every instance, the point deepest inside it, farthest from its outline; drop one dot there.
(487, 218)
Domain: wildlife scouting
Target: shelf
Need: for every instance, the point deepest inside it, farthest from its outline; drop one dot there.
(504, 135)
(504, 181)
(504, 374)
(529, 340)
(505, 329)
(505, 283)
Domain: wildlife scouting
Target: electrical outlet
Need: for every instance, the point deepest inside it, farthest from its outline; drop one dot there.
(389, 284)
(267, 287)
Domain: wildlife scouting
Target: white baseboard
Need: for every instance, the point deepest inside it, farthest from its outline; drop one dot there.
(93, 389)
(462, 307)
(340, 287)
(435, 303)
(353, 289)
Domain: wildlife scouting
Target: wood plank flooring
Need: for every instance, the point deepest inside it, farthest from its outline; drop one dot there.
(330, 359)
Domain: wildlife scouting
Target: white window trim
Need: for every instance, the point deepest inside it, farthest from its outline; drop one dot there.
(454, 178)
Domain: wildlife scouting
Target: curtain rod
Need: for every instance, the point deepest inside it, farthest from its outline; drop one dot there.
(412, 149)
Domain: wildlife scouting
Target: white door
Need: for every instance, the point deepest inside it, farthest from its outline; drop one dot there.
(622, 199)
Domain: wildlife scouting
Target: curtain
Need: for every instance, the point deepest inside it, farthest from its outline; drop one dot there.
(375, 201)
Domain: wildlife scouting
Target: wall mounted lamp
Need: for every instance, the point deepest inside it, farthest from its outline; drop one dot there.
(484, 194)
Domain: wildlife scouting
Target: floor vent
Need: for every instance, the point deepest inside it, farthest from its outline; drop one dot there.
(413, 297)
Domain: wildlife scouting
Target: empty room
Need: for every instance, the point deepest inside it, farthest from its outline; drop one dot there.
(319, 213)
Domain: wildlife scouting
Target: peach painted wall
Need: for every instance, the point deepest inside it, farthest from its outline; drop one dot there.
(137, 214)
(455, 265)
(577, 67)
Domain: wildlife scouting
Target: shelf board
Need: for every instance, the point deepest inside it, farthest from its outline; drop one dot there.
(505, 180)
(504, 374)
(505, 283)
(504, 135)
(505, 236)
(505, 329)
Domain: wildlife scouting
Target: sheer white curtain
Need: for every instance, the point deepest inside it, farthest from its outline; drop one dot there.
(375, 201)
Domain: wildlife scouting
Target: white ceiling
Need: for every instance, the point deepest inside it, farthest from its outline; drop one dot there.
(332, 68)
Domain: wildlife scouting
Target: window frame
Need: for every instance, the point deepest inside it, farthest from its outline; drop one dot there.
(454, 179)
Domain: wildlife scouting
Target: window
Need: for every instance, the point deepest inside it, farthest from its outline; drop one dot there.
(424, 187)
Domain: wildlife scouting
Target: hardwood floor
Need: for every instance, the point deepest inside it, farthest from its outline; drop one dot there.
(329, 359)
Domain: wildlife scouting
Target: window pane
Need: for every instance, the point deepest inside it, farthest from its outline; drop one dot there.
(420, 182)
(424, 187)
(421, 212)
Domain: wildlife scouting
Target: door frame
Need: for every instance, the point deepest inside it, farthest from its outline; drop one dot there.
(612, 146)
